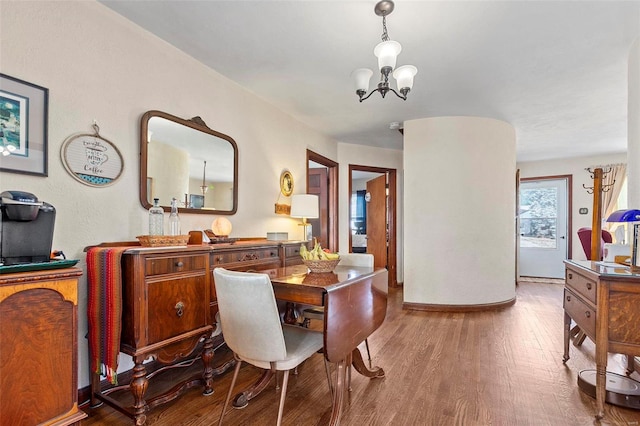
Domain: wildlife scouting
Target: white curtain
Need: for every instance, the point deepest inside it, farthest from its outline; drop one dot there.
(613, 179)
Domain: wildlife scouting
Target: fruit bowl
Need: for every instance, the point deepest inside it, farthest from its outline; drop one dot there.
(319, 266)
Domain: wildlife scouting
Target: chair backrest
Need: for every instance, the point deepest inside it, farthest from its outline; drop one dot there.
(249, 315)
(356, 259)
(585, 239)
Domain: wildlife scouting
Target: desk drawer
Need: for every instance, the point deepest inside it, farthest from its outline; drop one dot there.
(244, 256)
(580, 312)
(174, 264)
(177, 306)
(581, 285)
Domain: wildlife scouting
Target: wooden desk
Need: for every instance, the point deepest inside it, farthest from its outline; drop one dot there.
(355, 304)
(604, 301)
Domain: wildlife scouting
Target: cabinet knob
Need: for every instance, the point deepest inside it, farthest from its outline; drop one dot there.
(568, 298)
(570, 275)
(587, 314)
(179, 264)
(588, 286)
(179, 309)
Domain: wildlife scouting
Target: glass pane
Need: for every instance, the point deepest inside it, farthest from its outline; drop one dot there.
(538, 217)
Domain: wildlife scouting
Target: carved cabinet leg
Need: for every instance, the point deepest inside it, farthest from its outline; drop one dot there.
(207, 374)
(138, 388)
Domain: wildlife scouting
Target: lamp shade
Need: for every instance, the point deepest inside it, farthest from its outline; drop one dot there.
(305, 206)
(361, 78)
(387, 52)
(404, 76)
(631, 215)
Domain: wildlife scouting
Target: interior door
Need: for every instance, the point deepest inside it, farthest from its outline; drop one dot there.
(377, 220)
(543, 227)
(318, 180)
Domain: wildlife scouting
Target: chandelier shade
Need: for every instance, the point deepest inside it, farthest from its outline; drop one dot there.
(387, 53)
(404, 77)
(362, 79)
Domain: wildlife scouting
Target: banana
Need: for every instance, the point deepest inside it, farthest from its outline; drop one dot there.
(316, 253)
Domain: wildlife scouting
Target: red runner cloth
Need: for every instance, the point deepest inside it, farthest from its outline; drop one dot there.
(104, 309)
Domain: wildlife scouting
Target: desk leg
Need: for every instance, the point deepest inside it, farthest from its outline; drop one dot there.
(631, 366)
(567, 334)
(242, 399)
(207, 373)
(360, 366)
(601, 382)
(138, 387)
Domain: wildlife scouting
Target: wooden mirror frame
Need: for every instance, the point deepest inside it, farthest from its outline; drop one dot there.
(195, 123)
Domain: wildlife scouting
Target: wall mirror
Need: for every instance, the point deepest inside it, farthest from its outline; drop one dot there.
(186, 160)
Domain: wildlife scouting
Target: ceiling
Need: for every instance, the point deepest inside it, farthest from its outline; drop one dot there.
(557, 71)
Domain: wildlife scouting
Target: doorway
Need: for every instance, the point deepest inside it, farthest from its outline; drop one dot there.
(544, 219)
(372, 215)
(322, 178)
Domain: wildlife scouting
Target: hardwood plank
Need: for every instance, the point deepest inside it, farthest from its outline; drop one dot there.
(500, 367)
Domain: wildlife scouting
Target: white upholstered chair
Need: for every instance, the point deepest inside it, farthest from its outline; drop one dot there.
(346, 259)
(253, 331)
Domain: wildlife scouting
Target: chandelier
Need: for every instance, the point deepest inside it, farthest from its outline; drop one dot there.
(387, 52)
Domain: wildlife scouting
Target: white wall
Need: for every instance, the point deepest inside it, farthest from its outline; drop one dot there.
(633, 113)
(459, 211)
(375, 157)
(581, 198)
(99, 66)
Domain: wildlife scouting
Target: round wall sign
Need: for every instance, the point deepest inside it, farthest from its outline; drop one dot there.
(92, 160)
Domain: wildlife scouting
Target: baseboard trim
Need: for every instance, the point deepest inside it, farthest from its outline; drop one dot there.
(457, 308)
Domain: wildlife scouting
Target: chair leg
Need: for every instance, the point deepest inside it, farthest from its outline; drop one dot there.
(233, 383)
(283, 394)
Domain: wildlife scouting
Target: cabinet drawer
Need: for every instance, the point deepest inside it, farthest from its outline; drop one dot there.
(174, 264)
(176, 306)
(582, 285)
(292, 250)
(220, 259)
(270, 268)
(580, 312)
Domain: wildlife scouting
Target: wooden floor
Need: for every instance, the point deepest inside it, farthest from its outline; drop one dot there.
(483, 368)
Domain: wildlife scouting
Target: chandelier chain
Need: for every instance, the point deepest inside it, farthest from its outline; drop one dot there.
(385, 35)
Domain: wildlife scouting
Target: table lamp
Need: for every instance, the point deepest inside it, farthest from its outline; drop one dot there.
(629, 216)
(305, 206)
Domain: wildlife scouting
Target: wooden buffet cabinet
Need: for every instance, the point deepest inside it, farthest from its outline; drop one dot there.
(604, 302)
(38, 348)
(169, 310)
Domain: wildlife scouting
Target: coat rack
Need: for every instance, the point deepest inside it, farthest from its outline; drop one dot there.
(597, 189)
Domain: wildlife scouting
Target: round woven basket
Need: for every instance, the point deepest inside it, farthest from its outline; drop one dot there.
(163, 240)
(321, 265)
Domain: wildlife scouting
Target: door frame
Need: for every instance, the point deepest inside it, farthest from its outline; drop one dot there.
(392, 257)
(569, 179)
(332, 189)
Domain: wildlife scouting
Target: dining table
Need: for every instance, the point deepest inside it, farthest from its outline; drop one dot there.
(355, 305)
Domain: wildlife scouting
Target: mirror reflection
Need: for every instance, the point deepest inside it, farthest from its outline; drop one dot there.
(186, 160)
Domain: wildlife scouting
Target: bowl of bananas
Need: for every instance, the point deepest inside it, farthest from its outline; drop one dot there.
(319, 260)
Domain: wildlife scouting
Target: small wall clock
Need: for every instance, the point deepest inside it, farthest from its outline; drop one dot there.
(286, 183)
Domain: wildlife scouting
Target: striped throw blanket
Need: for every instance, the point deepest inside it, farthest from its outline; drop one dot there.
(104, 309)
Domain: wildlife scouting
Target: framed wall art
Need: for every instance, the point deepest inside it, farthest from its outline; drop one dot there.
(23, 126)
